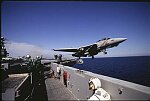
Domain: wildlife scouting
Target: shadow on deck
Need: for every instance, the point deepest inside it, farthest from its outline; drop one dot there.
(39, 92)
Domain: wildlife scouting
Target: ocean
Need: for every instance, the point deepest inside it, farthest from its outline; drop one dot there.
(134, 69)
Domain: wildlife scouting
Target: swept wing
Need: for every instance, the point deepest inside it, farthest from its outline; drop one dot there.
(84, 48)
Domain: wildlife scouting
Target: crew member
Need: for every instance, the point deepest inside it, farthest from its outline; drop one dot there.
(58, 71)
(30, 63)
(65, 77)
(52, 74)
(98, 92)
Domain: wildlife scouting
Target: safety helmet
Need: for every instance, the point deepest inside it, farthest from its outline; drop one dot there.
(94, 83)
(37, 57)
(28, 56)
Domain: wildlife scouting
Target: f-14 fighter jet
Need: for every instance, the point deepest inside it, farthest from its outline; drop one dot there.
(94, 49)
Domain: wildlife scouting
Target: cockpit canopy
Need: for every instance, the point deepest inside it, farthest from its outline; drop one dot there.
(103, 39)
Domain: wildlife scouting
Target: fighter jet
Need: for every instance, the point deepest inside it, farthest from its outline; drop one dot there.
(94, 49)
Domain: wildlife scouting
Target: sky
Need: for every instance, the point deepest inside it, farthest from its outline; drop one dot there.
(38, 27)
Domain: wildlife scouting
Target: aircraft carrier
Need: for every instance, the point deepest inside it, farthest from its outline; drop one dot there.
(36, 79)
(21, 86)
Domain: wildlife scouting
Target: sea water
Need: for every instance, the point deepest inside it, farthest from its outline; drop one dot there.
(134, 69)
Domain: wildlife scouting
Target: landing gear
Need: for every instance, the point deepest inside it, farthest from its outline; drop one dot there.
(92, 56)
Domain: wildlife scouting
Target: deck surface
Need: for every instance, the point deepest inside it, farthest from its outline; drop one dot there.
(13, 81)
(10, 84)
(57, 91)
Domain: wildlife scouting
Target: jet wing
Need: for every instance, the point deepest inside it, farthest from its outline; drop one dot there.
(84, 48)
(67, 50)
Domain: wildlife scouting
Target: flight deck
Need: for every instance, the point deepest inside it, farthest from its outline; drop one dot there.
(20, 86)
(57, 91)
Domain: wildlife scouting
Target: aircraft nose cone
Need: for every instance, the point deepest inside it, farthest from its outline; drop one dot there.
(122, 39)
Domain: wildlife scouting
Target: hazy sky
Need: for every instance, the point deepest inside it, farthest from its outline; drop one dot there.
(37, 27)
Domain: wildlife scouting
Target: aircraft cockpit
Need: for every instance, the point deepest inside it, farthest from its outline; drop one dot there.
(103, 39)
